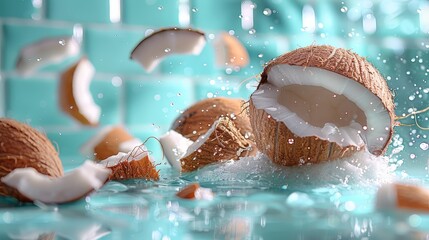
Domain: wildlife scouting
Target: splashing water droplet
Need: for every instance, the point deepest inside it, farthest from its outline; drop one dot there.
(267, 12)
(344, 9)
(252, 31)
(167, 50)
(290, 140)
(160, 8)
(62, 42)
(194, 10)
(424, 146)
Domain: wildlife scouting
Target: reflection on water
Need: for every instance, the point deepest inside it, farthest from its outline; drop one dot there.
(253, 200)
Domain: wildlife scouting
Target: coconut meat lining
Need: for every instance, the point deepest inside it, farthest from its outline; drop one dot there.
(315, 102)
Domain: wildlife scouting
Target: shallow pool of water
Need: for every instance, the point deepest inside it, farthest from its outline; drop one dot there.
(254, 200)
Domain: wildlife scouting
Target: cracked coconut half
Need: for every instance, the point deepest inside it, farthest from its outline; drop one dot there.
(222, 142)
(319, 103)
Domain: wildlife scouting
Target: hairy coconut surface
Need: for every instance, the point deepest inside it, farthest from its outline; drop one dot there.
(22, 146)
(135, 164)
(198, 119)
(321, 66)
(221, 142)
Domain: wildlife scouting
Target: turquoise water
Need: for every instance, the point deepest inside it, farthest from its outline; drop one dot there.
(254, 199)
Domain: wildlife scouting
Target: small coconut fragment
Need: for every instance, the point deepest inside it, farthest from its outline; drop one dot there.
(72, 186)
(221, 142)
(162, 43)
(174, 146)
(22, 146)
(136, 164)
(75, 96)
(194, 191)
(320, 103)
(46, 51)
(198, 118)
(110, 141)
(405, 197)
(230, 52)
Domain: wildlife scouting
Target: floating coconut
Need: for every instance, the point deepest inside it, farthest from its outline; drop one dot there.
(319, 103)
(75, 97)
(21, 146)
(230, 52)
(162, 43)
(222, 142)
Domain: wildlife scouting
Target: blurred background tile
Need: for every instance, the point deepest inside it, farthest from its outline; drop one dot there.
(78, 11)
(206, 15)
(156, 100)
(109, 49)
(19, 9)
(151, 13)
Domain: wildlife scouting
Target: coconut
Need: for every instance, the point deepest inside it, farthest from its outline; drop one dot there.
(74, 185)
(162, 43)
(230, 52)
(75, 96)
(110, 141)
(222, 142)
(22, 146)
(195, 191)
(136, 164)
(197, 119)
(45, 52)
(320, 103)
(174, 147)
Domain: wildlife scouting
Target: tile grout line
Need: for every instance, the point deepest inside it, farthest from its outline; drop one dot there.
(122, 104)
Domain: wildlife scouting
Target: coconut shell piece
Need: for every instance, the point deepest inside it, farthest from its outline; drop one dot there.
(284, 147)
(133, 165)
(22, 146)
(221, 143)
(230, 51)
(197, 119)
(194, 191)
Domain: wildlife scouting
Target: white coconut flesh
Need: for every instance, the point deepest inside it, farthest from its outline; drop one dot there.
(174, 146)
(72, 186)
(81, 82)
(201, 140)
(137, 154)
(46, 51)
(159, 45)
(315, 102)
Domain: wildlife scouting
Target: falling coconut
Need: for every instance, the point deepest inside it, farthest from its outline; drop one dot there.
(110, 141)
(136, 164)
(198, 119)
(320, 103)
(160, 44)
(45, 52)
(75, 96)
(222, 142)
(230, 52)
(72, 186)
(21, 146)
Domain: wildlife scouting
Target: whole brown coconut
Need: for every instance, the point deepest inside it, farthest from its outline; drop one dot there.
(284, 146)
(198, 118)
(22, 146)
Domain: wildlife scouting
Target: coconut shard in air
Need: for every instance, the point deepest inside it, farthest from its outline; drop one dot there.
(320, 103)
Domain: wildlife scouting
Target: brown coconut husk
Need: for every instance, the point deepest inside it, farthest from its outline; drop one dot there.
(22, 146)
(271, 136)
(197, 119)
(224, 143)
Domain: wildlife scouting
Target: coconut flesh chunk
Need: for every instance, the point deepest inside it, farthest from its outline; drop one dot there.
(160, 44)
(174, 146)
(45, 52)
(312, 101)
(75, 95)
(72, 186)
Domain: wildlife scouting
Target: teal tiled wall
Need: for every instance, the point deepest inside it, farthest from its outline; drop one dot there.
(148, 103)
